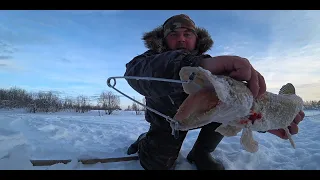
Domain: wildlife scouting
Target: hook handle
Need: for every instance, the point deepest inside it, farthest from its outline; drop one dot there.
(172, 121)
(109, 82)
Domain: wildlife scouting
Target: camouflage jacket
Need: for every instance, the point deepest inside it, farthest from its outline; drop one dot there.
(159, 62)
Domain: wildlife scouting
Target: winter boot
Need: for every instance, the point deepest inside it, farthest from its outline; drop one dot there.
(134, 146)
(159, 150)
(206, 143)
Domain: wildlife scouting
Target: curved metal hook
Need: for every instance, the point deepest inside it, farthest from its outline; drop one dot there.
(172, 121)
(114, 82)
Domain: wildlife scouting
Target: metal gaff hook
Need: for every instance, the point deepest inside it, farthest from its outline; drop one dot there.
(173, 122)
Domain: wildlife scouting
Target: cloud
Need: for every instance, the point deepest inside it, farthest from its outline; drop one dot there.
(5, 57)
(6, 48)
(6, 63)
(86, 12)
(25, 28)
(79, 48)
(293, 54)
(289, 50)
(309, 91)
(10, 66)
(65, 60)
(89, 65)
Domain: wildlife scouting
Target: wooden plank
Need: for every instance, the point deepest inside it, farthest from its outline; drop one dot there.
(83, 161)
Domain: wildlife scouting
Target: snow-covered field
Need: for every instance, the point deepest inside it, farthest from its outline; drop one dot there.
(69, 135)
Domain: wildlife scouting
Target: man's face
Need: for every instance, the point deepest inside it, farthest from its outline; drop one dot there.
(181, 38)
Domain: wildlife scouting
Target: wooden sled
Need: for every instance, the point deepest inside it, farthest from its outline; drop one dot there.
(83, 161)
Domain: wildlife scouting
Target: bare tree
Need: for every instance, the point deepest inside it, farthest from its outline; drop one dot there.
(32, 105)
(128, 108)
(14, 98)
(43, 101)
(144, 103)
(82, 104)
(135, 107)
(69, 103)
(109, 102)
(313, 104)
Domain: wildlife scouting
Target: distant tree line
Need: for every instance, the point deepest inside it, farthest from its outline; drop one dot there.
(312, 105)
(137, 107)
(48, 101)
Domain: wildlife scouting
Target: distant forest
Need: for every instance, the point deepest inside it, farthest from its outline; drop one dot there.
(48, 101)
(51, 102)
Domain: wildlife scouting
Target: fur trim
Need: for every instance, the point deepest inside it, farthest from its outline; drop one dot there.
(153, 40)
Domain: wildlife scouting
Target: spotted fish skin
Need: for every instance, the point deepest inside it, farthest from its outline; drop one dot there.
(236, 105)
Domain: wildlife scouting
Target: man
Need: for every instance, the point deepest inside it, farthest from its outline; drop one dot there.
(175, 44)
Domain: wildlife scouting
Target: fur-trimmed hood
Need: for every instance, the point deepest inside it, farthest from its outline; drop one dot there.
(153, 40)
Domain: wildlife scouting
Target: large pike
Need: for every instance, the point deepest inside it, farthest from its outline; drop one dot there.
(215, 98)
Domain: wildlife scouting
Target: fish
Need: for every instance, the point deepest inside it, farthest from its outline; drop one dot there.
(222, 99)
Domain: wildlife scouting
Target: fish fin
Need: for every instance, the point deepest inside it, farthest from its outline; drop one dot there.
(287, 89)
(290, 137)
(247, 141)
(228, 130)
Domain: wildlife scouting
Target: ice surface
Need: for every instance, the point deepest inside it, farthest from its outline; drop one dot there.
(67, 135)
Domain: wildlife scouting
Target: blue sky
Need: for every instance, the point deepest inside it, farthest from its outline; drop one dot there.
(74, 52)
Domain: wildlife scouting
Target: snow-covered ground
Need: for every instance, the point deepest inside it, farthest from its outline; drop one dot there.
(69, 135)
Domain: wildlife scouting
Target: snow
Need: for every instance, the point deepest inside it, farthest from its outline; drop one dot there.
(70, 135)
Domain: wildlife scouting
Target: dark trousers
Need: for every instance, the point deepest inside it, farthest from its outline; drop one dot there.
(158, 149)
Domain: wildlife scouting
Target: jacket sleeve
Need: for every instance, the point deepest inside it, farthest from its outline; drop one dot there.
(164, 65)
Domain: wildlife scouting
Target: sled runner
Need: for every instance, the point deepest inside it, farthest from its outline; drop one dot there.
(83, 161)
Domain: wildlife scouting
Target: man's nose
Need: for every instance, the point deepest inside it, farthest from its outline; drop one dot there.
(181, 38)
